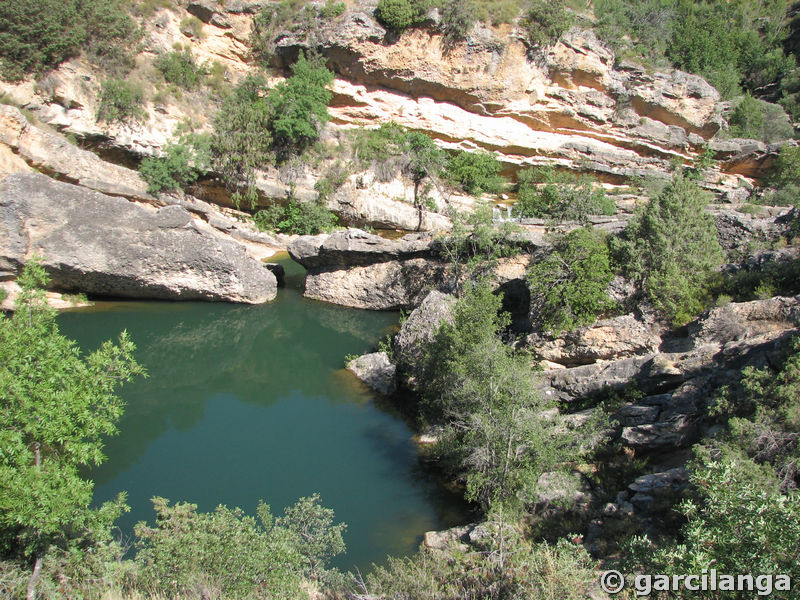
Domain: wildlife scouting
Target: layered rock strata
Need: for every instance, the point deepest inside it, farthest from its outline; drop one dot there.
(104, 245)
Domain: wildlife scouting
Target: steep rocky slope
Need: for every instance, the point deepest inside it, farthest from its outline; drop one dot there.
(573, 105)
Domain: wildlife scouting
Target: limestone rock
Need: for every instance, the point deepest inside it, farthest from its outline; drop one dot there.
(419, 329)
(52, 153)
(109, 246)
(356, 247)
(741, 320)
(202, 9)
(376, 370)
(616, 338)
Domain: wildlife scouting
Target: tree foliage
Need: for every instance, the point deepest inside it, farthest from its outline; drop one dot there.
(398, 15)
(300, 107)
(224, 552)
(475, 172)
(57, 408)
(180, 68)
(545, 21)
(569, 287)
(547, 193)
(181, 164)
(120, 100)
(36, 35)
(739, 524)
(670, 248)
(256, 126)
(495, 433)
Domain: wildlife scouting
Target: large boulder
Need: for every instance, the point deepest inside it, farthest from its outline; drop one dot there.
(358, 269)
(418, 330)
(110, 246)
(376, 370)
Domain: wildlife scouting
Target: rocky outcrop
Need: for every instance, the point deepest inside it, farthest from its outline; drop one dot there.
(55, 156)
(108, 246)
(418, 330)
(375, 370)
(357, 269)
(615, 338)
(678, 386)
(574, 106)
(362, 270)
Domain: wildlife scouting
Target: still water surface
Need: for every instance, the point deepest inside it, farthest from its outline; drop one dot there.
(251, 402)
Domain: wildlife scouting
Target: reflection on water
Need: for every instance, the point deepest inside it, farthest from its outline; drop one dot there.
(250, 402)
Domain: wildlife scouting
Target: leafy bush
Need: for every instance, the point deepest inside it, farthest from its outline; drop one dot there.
(302, 218)
(457, 19)
(752, 118)
(180, 68)
(764, 416)
(475, 172)
(494, 436)
(36, 35)
(241, 141)
(547, 193)
(120, 100)
(182, 163)
(511, 569)
(670, 248)
(569, 287)
(398, 15)
(740, 524)
(226, 552)
(300, 107)
(59, 406)
(545, 21)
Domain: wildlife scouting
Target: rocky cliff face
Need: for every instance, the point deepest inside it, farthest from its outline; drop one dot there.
(98, 244)
(574, 105)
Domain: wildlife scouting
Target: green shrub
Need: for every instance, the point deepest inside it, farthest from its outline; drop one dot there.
(241, 142)
(302, 218)
(544, 21)
(752, 118)
(569, 288)
(457, 19)
(332, 9)
(120, 100)
(475, 172)
(180, 165)
(670, 248)
(739, 524)
(549, 194)
(300, 107)
(398, 15)
(225, 551)
(511, 569)
(36, 35)
(180, 68)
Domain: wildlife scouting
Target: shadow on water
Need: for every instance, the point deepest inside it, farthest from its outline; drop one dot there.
(251, 402)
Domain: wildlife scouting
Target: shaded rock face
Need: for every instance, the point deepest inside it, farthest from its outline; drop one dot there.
(109, 246)
(376, 370)
(358, 269)
(418, 330)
